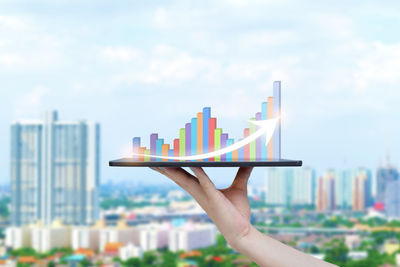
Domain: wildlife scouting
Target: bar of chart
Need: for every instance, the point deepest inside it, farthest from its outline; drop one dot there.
(201, 142)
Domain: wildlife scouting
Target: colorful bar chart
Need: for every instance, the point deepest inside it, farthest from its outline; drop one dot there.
(201, 135)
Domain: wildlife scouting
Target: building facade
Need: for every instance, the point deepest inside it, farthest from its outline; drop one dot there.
(290, 186)
(54, 171)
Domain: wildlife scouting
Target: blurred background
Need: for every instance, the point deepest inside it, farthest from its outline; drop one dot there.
(79, 79)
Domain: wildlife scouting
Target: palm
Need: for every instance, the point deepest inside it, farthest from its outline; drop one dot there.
(238, 198)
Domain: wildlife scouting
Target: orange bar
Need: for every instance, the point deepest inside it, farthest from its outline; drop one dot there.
(270, 115)
(199, 133)
(141, 152)
(235, 155)
(164, 151)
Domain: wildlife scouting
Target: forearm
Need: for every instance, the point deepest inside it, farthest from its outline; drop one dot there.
(266, 251)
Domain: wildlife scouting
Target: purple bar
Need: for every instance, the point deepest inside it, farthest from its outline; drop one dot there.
(153, 149)
(224, 137)
(188, 138)
(258, 140)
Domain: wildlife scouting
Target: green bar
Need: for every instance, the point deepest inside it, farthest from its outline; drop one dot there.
(146, 153)
(217, 142)
(182, 142)
(252, 144)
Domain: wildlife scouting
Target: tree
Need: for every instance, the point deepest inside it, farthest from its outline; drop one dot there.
(149, 258)
(337, 254)
(132, 262)
(169, 259)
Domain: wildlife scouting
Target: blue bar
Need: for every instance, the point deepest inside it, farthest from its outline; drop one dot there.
(194, 136)
(170, 154)
(159, 143)
(136, 145)
(206, 136)
(241, 152)
(277, 113)
(229, 155)
(264, 152)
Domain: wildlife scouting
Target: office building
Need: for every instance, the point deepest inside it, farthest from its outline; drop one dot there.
(392, 199)
(290, 186)
(54, 171)
(326, 192)
(384, 177)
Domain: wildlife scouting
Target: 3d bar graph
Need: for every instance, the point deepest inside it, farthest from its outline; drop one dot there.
(201, 140)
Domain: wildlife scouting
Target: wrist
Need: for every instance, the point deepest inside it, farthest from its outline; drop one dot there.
(242, 243)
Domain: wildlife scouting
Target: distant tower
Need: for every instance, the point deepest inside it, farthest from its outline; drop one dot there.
(54, 171)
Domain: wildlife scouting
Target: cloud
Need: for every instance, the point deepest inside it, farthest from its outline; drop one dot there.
(160, 18)
(120, 53)
(31, 103)
(379, 66)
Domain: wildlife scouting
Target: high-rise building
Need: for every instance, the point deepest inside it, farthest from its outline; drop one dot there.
(54, 171)
(392, 199)
(343, 188)
(326, 191)
(361, 189)
(384, 176)
(290, 186)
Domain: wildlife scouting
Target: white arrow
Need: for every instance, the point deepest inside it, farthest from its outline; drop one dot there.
(267, 127)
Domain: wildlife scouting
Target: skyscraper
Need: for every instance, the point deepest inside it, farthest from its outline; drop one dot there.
(54, 171)
(290, 186)
(384, 176)
(326, 192)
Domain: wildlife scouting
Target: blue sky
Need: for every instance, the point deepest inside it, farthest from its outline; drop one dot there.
(138, 67)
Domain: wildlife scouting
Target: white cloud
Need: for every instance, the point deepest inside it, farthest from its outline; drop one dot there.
(31, 102)
(161, 17)
(120, 53)
(378, 66)
(268, 38)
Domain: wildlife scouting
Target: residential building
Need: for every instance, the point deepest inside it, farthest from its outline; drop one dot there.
(130, 251)
(54, 171)
(85, 238)
(192, 237)
(326, 191)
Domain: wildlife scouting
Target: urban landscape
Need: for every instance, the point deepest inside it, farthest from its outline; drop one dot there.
(55, 212)
(290, 107)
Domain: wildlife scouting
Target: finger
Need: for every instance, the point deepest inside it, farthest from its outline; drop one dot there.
(158, 169)
(242, 177)
(205, 182)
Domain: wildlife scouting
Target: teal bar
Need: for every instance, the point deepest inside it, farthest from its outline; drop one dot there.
(229, 142)
(263, 144)
(159, 143)
(193, 136)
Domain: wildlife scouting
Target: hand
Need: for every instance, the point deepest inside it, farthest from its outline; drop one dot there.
(228, 208)
(230, 211)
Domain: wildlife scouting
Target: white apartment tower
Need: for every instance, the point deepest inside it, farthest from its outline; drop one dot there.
(54, 171)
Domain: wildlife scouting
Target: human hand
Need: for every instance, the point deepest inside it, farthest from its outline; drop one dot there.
(228, 208)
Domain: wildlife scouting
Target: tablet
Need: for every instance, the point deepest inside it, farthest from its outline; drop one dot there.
(131, 162)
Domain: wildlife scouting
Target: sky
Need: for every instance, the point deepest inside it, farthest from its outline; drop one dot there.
(138, 67)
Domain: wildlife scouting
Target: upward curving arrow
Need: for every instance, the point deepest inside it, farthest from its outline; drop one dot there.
(267, 127)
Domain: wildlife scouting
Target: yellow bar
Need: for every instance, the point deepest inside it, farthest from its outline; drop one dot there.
(147, 153)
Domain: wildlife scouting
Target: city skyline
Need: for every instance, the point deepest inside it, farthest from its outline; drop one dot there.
(339, 113)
